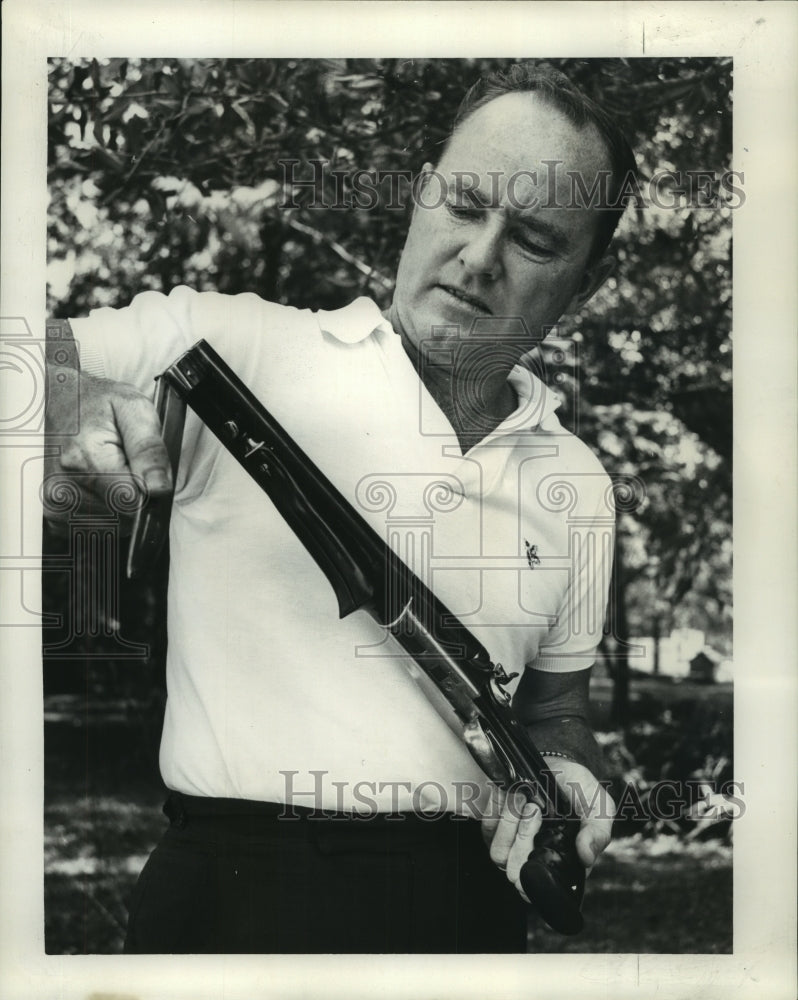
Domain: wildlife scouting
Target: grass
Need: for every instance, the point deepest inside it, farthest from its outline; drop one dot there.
(95, 848)
(676, 898)
(659, 896)
(103, 799)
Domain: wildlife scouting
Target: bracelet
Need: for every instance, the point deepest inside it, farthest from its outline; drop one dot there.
(572, 738)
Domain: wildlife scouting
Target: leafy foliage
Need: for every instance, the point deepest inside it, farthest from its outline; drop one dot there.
(170, 171)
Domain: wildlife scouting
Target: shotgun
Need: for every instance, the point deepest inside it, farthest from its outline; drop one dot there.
(367, 575)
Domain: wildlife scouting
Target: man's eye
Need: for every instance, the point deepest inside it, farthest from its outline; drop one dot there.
(462, 210)
(534, 248)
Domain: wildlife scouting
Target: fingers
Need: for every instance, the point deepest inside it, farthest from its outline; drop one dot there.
(528, 827)
(513, 836)
(596, 832)
(506, 829)
(140, 436)
(594, 806)
(492, 813)
(512, 823)
(106, 449)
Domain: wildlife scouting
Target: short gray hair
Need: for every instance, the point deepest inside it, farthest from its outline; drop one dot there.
(555, 87)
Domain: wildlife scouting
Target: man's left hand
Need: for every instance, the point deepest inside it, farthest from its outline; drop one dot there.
(510, 823)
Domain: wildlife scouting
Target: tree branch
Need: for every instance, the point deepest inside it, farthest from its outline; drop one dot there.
(343, 253)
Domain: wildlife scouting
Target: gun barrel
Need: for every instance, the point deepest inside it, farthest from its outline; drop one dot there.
(366, 574)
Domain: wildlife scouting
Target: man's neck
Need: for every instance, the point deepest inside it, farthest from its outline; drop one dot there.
(474, 408)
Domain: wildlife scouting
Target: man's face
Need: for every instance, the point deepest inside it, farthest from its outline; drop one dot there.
(500, 244)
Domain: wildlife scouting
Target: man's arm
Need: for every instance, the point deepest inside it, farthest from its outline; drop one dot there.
(553, 706)
(97, 431)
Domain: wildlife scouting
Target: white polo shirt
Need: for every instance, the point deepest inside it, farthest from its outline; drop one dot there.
(272, 697)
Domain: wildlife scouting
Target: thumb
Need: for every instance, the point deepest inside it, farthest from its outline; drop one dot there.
(492, 811)
(140, 435)
(591, 841)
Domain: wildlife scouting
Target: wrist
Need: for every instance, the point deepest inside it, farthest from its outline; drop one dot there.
(568, 738)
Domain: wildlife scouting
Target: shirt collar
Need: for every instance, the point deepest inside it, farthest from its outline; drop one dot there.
(359, 319)
(536, 402)
(352, 323)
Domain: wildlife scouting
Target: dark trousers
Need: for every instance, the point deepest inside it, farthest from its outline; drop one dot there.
(231, 876)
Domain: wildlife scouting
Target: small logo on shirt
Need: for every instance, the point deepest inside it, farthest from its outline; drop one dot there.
(532, 556)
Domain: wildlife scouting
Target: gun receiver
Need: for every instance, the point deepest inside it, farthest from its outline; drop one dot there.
(367, 575)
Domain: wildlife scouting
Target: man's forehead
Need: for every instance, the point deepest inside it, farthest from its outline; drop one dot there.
(524, 132)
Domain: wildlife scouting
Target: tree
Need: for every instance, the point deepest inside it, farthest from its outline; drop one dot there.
(215, 173)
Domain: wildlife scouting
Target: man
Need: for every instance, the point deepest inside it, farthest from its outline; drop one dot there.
(317, 797)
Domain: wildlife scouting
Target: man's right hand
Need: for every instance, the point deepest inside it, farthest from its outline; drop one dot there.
(105, 449)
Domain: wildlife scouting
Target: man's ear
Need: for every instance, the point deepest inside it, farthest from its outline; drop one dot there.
(594, 277)
(420, 182)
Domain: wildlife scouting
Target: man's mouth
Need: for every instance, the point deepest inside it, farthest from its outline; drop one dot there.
(471, 301)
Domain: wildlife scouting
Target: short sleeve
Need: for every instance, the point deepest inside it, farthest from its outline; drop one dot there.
(573, 638)
(263, 341)
(136, 343)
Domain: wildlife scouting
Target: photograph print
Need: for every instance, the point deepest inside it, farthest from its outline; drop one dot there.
(387, 550)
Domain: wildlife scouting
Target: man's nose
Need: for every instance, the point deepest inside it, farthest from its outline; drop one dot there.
(481, 253)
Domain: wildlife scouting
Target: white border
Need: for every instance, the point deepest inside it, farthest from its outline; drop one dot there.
(762, 39)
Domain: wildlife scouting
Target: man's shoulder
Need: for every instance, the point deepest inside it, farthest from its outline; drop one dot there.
(347, 325)
(187, 309)
(570, 476)
(234, 307)
(577, 455)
